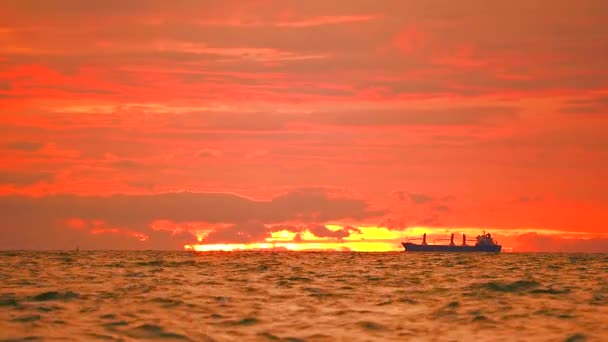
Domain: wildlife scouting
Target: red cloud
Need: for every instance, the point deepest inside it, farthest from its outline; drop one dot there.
(152, 97)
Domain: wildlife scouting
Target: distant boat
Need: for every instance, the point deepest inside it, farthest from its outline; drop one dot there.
(484, 243)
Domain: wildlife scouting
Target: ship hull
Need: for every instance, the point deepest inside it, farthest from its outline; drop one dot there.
(412, 247)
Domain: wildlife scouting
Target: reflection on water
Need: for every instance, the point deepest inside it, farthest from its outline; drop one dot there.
(302, 296)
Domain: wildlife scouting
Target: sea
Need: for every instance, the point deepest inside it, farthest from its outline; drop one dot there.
(302, 296)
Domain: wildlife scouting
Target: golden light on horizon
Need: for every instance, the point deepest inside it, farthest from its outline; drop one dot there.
(370, 239)
(360, 246)
(283, 235)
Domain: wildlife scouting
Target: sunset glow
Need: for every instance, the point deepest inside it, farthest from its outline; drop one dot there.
(301, 246)
(302, 125)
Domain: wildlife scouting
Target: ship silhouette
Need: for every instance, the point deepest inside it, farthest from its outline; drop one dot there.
(483, 243)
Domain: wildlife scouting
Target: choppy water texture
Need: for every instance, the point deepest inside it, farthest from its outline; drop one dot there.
(302, 296)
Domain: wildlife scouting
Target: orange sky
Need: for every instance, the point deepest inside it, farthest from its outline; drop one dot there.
(307, 124)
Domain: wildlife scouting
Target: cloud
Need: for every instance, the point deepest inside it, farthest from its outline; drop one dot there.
(263, 36)
(530, 199)
(533, 242)
(245, 232)
(5, 85)
(38, 217)
(324, 232)
(388, 95)
(208, 153)
(125, 164)
(416, 209)
(235, 53)
(420, 198)
(26, 146)
(141, 185)
(441, 208)
(315, 204)
(324, 20)
(24, 178)
(254, 231)
(394, 223)
(275, 121)
(244, 121)
(411, 117)
(411, 41)
(596, 105)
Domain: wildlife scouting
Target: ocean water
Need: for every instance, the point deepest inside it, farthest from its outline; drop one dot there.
(302, 296)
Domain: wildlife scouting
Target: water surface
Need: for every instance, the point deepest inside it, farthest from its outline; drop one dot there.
(302, 296)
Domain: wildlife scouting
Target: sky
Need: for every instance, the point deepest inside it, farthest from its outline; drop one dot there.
(343, 125)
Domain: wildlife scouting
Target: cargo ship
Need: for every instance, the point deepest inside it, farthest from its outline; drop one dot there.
(484, 243)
